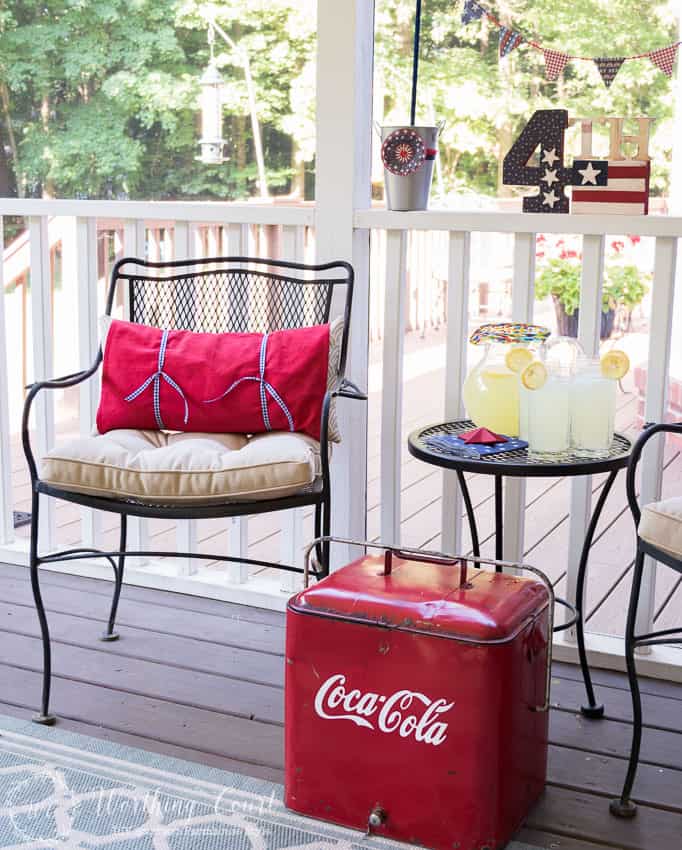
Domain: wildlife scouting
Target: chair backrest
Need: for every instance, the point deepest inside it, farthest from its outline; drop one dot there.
(231, 294)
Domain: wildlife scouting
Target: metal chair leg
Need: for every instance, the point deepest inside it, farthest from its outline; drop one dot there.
(110, 634)
(326, 531)
(44, 718)
(624, 807)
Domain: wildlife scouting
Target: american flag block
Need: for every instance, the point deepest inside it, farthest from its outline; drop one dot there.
(625, 191)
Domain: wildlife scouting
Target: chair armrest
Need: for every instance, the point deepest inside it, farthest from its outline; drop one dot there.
(650, 429)
(33, 390)
(347, 389)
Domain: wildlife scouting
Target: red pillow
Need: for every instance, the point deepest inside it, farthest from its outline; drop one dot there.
(243, 383)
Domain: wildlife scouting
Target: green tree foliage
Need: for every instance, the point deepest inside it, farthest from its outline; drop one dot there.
(485, 100)
(100, 97)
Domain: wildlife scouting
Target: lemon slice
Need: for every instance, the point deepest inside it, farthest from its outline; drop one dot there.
(516, 359)
(534, 375)
(615, 364)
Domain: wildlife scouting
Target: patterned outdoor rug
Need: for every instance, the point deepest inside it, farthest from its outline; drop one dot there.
(62, 791)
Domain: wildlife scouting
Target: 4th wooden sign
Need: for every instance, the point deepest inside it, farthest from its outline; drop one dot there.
(617, 185)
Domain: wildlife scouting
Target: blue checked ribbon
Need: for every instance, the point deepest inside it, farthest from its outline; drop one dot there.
(265, 388)
(155, 380)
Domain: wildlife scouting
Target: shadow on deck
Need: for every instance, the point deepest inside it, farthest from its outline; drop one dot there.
(202, 680)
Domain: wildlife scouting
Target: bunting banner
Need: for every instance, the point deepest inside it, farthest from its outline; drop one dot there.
(555, 62)
(608, 68)
(471, 12)
(509, 40)
(662, 58)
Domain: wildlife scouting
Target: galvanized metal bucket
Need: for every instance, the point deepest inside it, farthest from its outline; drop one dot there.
(411, 191)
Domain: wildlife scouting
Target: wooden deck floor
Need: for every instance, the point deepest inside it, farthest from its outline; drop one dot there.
(202, 680)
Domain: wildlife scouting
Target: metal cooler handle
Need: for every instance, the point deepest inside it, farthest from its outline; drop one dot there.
(448, 559)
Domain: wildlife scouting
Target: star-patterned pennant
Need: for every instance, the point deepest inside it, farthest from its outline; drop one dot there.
(608, 67)
(555, 62)
(664, 59)
(509, 40)
(471, 12)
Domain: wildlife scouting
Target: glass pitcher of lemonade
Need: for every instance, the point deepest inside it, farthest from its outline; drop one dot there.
(491, 389)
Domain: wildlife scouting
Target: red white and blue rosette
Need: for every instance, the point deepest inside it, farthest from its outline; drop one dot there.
(403, 152)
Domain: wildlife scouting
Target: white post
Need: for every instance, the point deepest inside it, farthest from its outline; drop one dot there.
(41, 326)
(588, 336)
(84, 264)
(523, 293)
(135, 246)
(459, 258)
(6, 516)
(345, 44)
(656, 404)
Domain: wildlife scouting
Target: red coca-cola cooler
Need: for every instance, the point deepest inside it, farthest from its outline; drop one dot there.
(416, 699)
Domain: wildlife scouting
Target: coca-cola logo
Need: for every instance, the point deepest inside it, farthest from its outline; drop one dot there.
(409, 713)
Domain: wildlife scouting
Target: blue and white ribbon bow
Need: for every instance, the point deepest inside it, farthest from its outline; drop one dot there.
(155, 380)
(264, 387)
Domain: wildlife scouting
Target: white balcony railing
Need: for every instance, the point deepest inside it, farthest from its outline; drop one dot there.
(420, 276)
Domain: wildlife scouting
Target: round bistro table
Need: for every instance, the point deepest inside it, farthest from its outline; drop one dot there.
(517, 463)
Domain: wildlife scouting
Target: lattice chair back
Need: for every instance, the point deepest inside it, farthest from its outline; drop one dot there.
(231, 294)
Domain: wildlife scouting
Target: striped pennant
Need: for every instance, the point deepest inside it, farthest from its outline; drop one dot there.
(509, 40)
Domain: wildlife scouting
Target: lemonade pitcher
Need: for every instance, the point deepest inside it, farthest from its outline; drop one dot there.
(491, 389)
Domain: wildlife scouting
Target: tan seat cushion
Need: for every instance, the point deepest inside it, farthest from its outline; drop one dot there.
(661, 525)
(157, 466)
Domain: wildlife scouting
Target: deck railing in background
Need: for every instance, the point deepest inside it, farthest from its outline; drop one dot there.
(393, 231)
(64, 310)
(426, 260)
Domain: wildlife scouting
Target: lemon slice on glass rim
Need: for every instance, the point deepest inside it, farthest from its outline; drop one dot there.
(615, 364)
(534, 375)
(517, 358)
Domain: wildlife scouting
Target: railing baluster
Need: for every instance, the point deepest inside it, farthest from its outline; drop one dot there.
(459, 258)
(85, 257)
(656, 405)
(41, 325)
(186, 538)
(235, 245)
(135, 246)
(6, 500)
(588, 335)
(523, 293)
(392, 385)
(292, 521)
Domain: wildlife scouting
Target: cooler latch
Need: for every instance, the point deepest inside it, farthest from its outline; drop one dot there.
(377, 817)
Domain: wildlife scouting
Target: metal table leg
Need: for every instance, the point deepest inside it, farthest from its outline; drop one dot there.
(499, 521)
(473, 530)
(592, 709)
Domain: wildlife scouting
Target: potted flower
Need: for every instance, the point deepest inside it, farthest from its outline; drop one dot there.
(623, 289)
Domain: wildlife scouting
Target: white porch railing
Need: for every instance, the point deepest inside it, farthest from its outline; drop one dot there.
(58, 313)
(439, 246)
(394, 229)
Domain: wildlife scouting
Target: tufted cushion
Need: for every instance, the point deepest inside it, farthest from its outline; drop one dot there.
(157, 466)
(661, 525)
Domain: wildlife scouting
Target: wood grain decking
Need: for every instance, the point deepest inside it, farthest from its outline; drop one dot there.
(202, 680)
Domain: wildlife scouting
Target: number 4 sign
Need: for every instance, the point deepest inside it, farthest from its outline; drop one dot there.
(544, 133)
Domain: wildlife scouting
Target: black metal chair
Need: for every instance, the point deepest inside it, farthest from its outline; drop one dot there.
(647, 526)
(225, 294)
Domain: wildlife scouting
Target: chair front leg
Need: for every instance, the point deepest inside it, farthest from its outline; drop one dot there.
(624, 807)
(44, 718)
(110, 635)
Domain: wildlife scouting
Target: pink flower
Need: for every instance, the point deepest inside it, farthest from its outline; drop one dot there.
(618, 246)
(634, 240)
